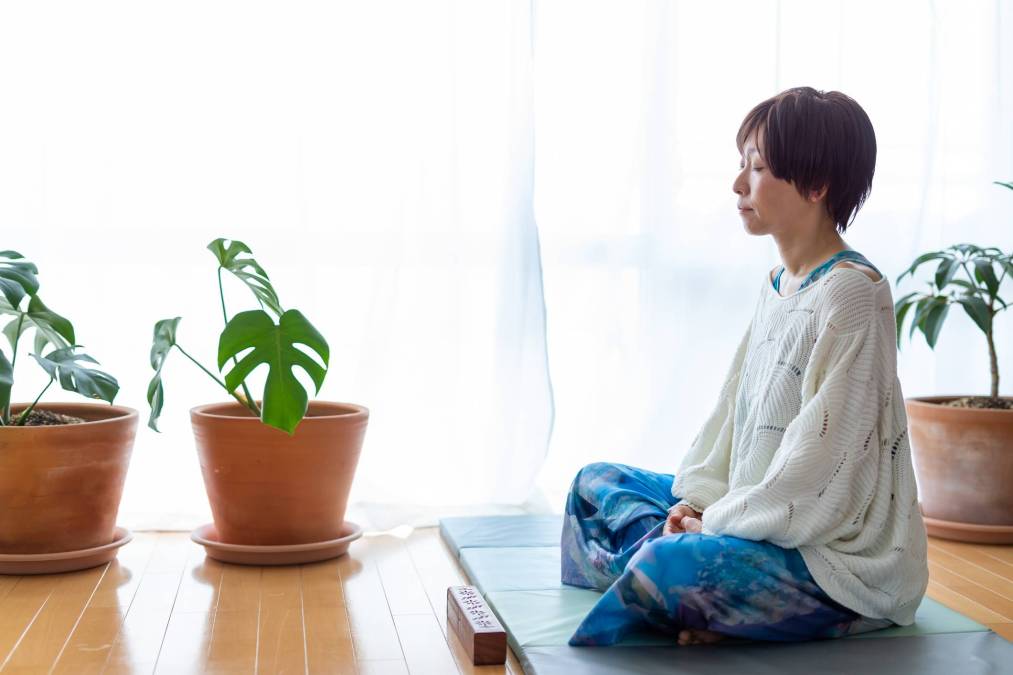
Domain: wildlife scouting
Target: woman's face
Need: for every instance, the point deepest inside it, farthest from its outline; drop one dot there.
(766, 204)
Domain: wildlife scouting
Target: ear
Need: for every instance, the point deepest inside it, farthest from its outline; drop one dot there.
(816, 195)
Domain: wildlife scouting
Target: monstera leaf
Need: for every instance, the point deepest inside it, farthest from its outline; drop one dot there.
(17, 277)
(285, 400)
(247, 270)
(63, 364)
(163, 340)
(50, 327)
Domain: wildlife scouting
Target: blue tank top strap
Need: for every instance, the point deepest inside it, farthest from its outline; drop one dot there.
(814, 275)
(833, 260)
(777, 279)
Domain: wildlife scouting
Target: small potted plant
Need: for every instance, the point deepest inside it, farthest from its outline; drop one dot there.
(962, 445)
(277, 469)
(62, 465)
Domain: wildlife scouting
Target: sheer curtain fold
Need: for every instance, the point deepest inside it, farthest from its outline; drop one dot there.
(387, 161)
(376, 157)
(650, 277)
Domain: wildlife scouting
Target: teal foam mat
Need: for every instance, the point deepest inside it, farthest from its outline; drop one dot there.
(514, 561)
(946, 654)
(518, 568)
(512, 574)
(501, 531)
(542, 618)
(545, 618)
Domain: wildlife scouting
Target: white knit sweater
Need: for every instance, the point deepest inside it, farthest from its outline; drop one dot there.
(807, 447)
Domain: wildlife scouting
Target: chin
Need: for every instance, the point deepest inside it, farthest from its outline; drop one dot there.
(755, 229)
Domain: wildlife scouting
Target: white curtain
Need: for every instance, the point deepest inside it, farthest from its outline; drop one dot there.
(377, 159)
(386, 162)
(650, 277)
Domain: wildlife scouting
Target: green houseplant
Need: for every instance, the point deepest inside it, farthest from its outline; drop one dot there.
(962, 445)
(278, 469)
(62, 465)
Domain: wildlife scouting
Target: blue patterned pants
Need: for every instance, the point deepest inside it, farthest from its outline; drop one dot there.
(612, 541)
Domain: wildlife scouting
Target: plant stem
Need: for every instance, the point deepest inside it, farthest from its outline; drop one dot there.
(994, 363)
(23, 417)
(992, 360)
(974, 282)
(17, 339)
(225, 316)
(14, 360)
(245, 403)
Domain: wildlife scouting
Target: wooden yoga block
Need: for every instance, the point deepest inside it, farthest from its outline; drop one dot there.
(476, 626)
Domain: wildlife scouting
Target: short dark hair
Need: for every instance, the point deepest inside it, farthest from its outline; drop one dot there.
(815, 138)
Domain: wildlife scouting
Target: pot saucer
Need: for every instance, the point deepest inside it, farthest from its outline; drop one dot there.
(968, 532)
(64, 561)
(286, 554)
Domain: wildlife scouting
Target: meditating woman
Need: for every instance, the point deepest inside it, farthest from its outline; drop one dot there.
(794, 514)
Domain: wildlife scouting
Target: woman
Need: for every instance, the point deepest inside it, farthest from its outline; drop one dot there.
(794, 515)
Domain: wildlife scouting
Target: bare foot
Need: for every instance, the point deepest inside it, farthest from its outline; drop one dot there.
(699, 637)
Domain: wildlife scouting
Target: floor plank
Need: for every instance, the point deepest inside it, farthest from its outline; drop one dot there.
(186, 644)
(962, 604)
(163, 606)
(401, 583)
(383, 667)
(44, 640)
(200, 587)
(6, 584)
(372, 626)
(1003, 629)
(281, 639)
(425, 648)
(513, 665)
(958, 563)
(140, 638)
(234, 644)
(88, 648)
(19, 609)
(328, 634)
(975, 591)
(1003, 554)
(437, 568)
(233, 647)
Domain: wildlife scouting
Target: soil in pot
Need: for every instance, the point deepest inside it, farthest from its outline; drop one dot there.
(983, 402)
(46, 418)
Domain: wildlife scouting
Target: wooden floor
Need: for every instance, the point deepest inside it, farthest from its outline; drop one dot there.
(162, 607)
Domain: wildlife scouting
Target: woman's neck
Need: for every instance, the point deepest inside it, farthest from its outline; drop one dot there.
(804, 254)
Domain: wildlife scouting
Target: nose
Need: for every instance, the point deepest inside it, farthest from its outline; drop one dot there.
(739, 185)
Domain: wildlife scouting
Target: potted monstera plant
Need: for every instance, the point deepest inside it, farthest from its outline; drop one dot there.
(62, 465)
(278, 469)
(963, 444)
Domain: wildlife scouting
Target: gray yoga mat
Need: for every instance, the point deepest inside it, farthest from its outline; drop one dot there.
(514, 561)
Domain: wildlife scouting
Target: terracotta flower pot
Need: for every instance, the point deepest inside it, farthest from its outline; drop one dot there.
(964, 463)
(267, 488)
(60, 486)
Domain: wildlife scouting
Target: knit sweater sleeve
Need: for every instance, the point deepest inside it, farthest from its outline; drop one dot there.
(702, 477)
(823, 464)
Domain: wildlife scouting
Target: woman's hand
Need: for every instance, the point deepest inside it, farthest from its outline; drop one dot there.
(692, 524)
(681, 518)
